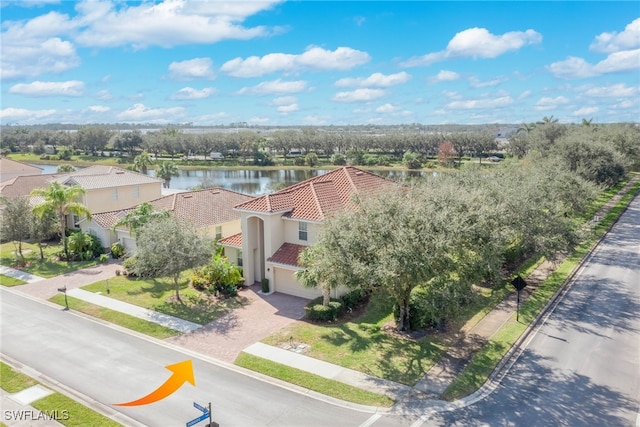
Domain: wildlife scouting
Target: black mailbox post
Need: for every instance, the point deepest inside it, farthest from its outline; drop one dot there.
(64, 291)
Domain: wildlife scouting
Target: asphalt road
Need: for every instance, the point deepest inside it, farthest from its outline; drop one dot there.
(582, 368)
(111, 366)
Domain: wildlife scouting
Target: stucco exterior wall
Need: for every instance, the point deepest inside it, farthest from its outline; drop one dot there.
(111, 199)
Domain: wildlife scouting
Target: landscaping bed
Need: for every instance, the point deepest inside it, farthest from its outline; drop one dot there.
(49, 267)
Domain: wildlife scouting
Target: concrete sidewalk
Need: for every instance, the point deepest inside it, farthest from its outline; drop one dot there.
(327, 370)
(171, 322)
(21, 275)
(18, 412)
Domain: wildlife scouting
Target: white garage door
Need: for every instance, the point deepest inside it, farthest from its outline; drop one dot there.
(286, 283)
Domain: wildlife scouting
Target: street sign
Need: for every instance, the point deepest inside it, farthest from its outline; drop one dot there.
(197, 420)
(519, 283)
(200, 408)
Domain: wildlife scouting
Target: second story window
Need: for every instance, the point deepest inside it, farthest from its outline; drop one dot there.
(302, 231)
(218, 232)
(239, 259)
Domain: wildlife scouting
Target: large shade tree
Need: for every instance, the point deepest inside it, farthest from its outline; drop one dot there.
(63, 201)
(15, 220)
(167, 247)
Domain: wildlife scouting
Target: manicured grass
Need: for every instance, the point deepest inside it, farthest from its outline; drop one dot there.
(71, 413)
(484, 362)
(10, 281)
(122, 319)
(43, 268)
(362, 345)
(159, 295)
(312, 382)
(78, 415)
(13, 381)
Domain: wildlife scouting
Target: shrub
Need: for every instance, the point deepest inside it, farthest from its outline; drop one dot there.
(316, 311)
(130, 266)
(352, 299)
(338, 159)
(117, 250)
(298, 161)
(384, 160)
(311, 159)
(265, 285)
(96, 246)
(104, 258)
(412, 160)
(199, 282)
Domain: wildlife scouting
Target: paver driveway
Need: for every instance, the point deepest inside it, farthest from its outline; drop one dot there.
(226, 337)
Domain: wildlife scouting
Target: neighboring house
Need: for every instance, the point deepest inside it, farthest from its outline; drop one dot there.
(210, 210)
(277, 227)
(10, 169)
(106, 188)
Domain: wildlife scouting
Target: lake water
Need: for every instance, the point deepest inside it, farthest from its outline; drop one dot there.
(252, 182)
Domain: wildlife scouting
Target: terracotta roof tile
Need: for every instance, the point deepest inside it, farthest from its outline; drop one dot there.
(23, 185)
(319, 197)
(287, 254)
(99, 176)
(233, 241)
(203, 208)
(8, 166)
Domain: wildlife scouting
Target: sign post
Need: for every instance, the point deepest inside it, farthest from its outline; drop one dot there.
(519, 284)
(206, 413)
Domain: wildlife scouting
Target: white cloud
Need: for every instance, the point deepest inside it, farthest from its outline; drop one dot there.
(619, 90)
(481, 103)
(191, 93)
(525, 94)
(285, 109)
(314, 58)
(586, 111)
(452, 94)
(477, 84)
(358, 95)
(478, 43)
(30, 58)
(259, 120)
(614, 42)
(548, 103)
(167, 24)
(285, 100)
(197, 68)
(99, 108)
(274, 87)
(140, 113)
(446, 76)
(575, 68)
(38, 88)
(386, 108)
(375, 80)
(104, 95)
(8, 115)
(315, 120)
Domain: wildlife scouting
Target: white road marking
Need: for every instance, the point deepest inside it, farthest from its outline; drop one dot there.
(372, 419)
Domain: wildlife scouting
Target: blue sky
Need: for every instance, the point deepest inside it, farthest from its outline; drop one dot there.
(318, 63)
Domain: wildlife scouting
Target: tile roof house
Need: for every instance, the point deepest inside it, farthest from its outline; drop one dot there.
(210, 210)
(12, 168)
(106, 188)
(278, 226)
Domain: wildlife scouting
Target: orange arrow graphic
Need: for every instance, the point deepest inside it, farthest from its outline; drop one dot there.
(182, 372)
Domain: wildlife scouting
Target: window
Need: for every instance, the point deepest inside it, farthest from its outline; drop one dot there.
(136, 192)
(218, 232)
(239, 259)
(114, 194)
(302, 230)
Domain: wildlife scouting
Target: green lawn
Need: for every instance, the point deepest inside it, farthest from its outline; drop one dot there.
(122, 319)
(159, 295)
(312, 382)
(69, 412)
(48, 267)
(10, 281)
(362, 345)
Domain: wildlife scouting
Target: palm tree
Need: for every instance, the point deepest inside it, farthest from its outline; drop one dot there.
(142, 162)
(139, 216)
(63, 201)
(586, 122)
(166, 170)
(547, 120)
